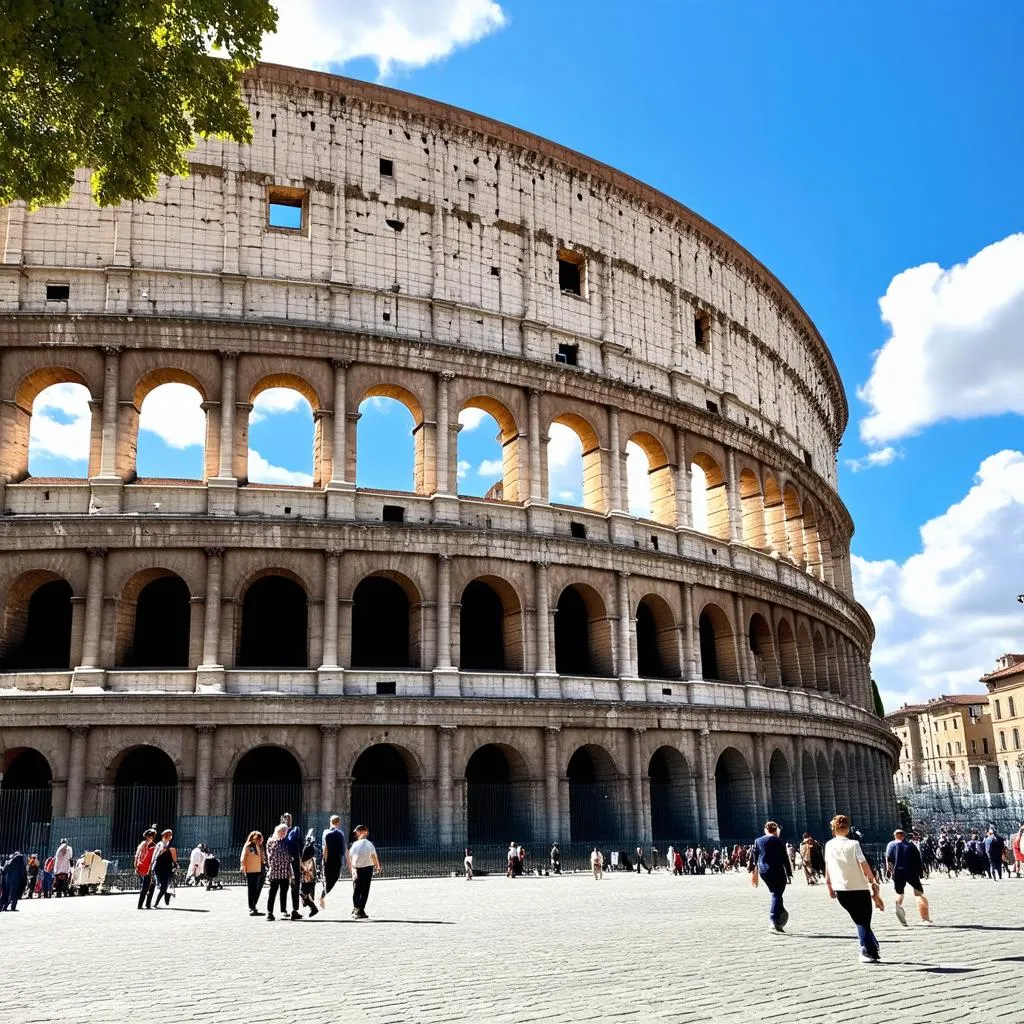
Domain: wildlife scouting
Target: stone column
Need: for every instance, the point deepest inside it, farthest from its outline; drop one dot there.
(543, 625)
(744, 656)
(684, 483)
(444, 432)
(536, 496)
(227, 416)
(111, 394)
(339, 469)
(76, 770)
(705, 780)
(94, 607)
(204, 763)
(690, 639)
(444, 614)
(551, 781)
(328, 766)
(444, 784)
(211, 613)
(616, 497)
(733, 492)
(627, 670)
(332, 562)
(800, 822)
(636, 785)
(761, 773)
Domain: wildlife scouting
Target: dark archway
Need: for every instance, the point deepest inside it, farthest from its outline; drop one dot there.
(267, 782)
(654, 639)
(497, 806)
(380, 624)
(25, 803)
(734, 787)
(39, 628)
(780, 779)
(717, 652)
(481, 629)
(145, 793)
(163, 615)
(672, 795)
(572, 640)
(762, 647)
(813, 814)
(593, 808)
(274, 625)
(381, 795)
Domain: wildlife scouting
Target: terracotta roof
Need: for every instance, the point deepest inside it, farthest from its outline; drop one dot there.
(1004, 673)
(937, 703)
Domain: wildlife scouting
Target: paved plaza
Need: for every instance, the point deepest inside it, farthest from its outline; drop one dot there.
(547, 950)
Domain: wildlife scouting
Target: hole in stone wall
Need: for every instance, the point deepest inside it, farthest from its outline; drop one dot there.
(387, 167)
(571, 272)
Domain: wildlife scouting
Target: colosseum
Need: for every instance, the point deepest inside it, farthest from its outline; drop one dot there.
(453, 669)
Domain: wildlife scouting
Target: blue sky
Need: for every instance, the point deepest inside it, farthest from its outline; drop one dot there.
(844, 145)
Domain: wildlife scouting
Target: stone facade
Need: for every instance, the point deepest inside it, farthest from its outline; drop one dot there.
(449, 262)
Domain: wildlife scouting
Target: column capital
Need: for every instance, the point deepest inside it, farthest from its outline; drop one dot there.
(95, 552)
(206, 730)
(542, 565)
(329, 730)
(552, 730)
(341, 364)
(442, 558)
(624, 574)
(447, 375)
(535, 392)
(112, 350)
(214, 552)
(330, 553)
(228, 355)
(79, 731)
(446, 730)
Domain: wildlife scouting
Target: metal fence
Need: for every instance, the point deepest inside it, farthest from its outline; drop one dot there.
(944, 807)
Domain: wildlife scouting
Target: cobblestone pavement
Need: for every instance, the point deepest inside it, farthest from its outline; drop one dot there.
(628, 948)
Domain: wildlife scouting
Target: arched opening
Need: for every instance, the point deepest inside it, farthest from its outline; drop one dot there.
(812, 548)
(794, 524)
(37, 623)
(381, 795)
(593, 810)
(267, 783)
(274, 624)
(734, 788)
(762, 646)
(751, 510)
(59, 432)
(717, 649)
(385, 631)
(391, 444)
(651, 489)
(709, 497)
(145, 793)
(820, 662)
(841, 786)
(171, 430)
(582, 633)
(488, 462)
(826, 791)
(284, 437)
(789, 658)
(774, 516)
(575, 475)
(780, 780)
(672, 797)
(657, 647)
(490, 627)
(161, 622)
(813, 815)
(805, 649)
(497, 797)
(25, 802)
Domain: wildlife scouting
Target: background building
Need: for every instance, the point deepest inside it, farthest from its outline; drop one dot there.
(1006, 696)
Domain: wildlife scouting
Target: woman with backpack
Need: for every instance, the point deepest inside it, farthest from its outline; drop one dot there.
(144, 867)
(307, 873)
(165, 857)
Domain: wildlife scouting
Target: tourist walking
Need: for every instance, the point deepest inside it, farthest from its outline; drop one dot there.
(47, 881)
(1017, 848)
(293, 841)
(63, 860)
(467, 864)
(556, 859)
(13, 881)
(253, 864)
(850, 880)
(994, 846)
(196, 863)
(308, 873)
(279, 869)
(364, 860)
(640, 862)
(144, 854)
(165, 858)
(334, 850)
(903, 861)
(773, 868)
(597, 863)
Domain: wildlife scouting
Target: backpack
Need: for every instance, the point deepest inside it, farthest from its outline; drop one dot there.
(308, 869)
(145, 861)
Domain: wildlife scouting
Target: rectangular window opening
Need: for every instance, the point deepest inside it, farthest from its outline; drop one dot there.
(568, 354)
(700, 332)
(808, 461)
(287, 208)
(571, 272)
(666, 691)
(387, 689)
(712, 406)
(654, 542)
(387, 167)
(58, 292)
(392, 514)
(577, 530)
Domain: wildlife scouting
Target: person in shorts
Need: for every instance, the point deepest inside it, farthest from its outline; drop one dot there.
(903, 861)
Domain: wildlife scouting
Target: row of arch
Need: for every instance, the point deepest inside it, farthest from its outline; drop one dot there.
(689, 481)
(154, 627)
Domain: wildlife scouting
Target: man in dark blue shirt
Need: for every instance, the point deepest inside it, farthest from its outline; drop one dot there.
(774, 868)
(293, 841)
(903, 859)
(994, 846)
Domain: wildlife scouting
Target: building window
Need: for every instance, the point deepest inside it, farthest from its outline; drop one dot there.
(808, 461)
(945, 726)
(1011, 708)
(938, 750)
(58, 292)
(287, 208)
(701, 332)
(999, 709)
(949, 750)
(567, 354)
(1002, 741)
(974, 746)
(572, 272)
(959, 749)
(956, 724)
(1016, 739)
(387, 167)
(984, 744)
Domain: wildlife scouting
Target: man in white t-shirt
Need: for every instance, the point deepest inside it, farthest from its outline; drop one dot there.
(196, 861)
(363, 859)
(850, 880)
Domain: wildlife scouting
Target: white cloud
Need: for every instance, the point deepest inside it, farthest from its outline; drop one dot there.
(945, 614)
(174, 413)
(274, 402)
(638, 481)
(463, 469)
(406, 33)
(565, 464)
(882, 457)
(955, 349)
(471, 418)
(61, 422)
(491, 468)
(263, 472)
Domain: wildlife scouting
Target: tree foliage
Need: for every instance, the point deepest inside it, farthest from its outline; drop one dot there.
(877, 697)
(119, 86)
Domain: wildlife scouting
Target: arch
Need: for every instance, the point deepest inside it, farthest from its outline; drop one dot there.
(657, 639)
(381, 794)
(762, 646)
(490, 627)
(794, 524)
(593, 496)
(709, 496)
(826, 789)
(805, 649)
(283, 394)
(789, 655)
(267, 782)
(26, 801)
(751, 510)
(424, 446)
(734, 791)
(813, 815)
(841, 785)
(820, 660)
(717, 645)
(145, 793)
(513, 467)
(780, 781)
(774, 516)
(673, 793)
(154, 621)
(497, 796)
(290, 382)
(386, 621)
(660, 492)
(835, 676)
(274, 625)
(593, 804)
(37, 623)
(61, 434)
(812, 547)
(583, 636)
(168, 414)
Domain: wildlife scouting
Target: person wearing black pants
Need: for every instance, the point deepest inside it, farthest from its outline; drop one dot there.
(769, 862)
(144, 867)
(293, 841)
(363, 860)
(335, 856)
(851, 882)
(279, 870)
(253, 864)
(164, 858)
